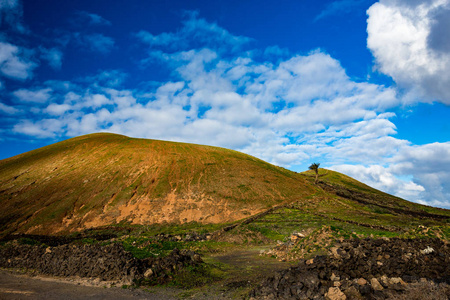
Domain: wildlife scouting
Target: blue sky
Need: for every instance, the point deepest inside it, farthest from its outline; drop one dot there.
(360, 86)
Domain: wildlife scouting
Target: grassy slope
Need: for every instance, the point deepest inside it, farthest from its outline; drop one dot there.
(347, 199)
(101, 172)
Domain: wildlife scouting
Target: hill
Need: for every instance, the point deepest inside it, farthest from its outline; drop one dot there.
(104, 179)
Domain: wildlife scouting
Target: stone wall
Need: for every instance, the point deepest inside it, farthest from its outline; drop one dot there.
(362, 269)
(108, 262)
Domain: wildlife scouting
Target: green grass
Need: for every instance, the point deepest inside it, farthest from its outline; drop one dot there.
(198, 275)
(143, 248)
(29, 241)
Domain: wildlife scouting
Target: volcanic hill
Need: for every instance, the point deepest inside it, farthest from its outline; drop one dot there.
(104, 179)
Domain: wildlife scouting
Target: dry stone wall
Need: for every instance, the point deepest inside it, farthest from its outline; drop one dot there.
(106, 262)
(362, 269)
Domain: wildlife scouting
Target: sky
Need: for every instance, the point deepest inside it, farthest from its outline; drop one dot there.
(360, 86)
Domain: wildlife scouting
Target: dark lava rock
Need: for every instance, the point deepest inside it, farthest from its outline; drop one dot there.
(109, 262)
(396, 258)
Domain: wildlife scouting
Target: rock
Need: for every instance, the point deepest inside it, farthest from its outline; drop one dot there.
(109, 262)
(333, 277)
(427, 250)
(356, 260)
(334, 293)
(397, 280)
(365, 290)
(353, 294)
(376, 284)
(148, 273)
(334, 252)
(384, 280)
(298, 234)
(361, 281)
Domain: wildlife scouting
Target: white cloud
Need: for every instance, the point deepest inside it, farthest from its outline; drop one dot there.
(96, 100)
(46, 128)
(409, 40)
(383, 179)
(14, 62)
(230, 103)
(10, 110)
(57, 109)
(417, 173)
(34, 96)
(429, 165)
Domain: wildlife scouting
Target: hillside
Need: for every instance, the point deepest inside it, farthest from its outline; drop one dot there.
(106, 179)
(101, 179)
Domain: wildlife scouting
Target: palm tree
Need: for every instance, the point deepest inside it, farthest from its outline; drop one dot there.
(315, 168)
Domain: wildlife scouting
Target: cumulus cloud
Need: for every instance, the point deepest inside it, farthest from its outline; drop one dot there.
(47, 128)
(383, 179)
(57, 109)
(429, 165)
(15, 62)
(417, 173)
(7, 109)
(240, 103)
(33, 96)
(409, 40)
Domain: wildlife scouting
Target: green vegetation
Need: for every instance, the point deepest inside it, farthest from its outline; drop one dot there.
(315, 167)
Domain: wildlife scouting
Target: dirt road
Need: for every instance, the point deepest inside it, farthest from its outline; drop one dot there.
(245, 268)
(18, 287)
